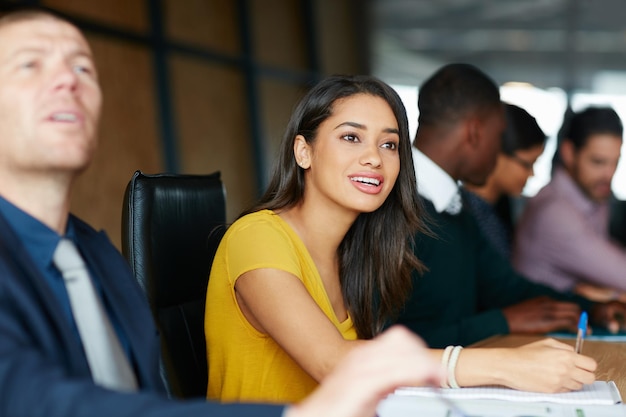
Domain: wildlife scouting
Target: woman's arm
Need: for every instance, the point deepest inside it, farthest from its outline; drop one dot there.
(276, 302)
(543, 366)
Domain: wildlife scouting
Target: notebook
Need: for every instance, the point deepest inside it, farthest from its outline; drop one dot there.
(406, 406)
(600, 393)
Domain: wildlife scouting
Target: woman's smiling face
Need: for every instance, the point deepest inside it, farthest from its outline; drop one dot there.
(354, 160)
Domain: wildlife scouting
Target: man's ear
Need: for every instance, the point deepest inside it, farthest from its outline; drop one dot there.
(473, 128)
(302, 152)
(567, 153)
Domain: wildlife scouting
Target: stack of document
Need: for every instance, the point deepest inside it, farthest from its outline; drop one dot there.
(600, 399)
(600, 392)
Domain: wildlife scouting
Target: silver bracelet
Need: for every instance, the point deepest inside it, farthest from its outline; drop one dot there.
(454, 357)
(444, 364)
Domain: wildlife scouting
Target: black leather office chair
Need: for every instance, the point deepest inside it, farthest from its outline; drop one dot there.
(171, 226)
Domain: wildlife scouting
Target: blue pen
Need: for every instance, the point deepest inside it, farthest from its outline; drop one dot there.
(582, 331)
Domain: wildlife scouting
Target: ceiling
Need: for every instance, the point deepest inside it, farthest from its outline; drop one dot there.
(570, 44)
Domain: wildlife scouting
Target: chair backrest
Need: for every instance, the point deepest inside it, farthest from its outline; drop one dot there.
(171, 227)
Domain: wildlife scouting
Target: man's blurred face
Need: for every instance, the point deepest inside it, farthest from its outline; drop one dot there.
(592, 167)
(49, 97)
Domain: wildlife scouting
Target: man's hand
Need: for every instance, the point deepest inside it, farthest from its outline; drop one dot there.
(368, 373)
(611, 315)
(542, 315)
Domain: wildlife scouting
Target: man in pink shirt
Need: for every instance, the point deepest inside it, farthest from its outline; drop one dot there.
(562, 238)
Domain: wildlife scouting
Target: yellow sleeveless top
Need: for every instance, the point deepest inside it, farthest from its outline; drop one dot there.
(244, 364)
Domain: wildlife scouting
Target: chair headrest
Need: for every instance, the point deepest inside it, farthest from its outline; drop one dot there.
(171, 226)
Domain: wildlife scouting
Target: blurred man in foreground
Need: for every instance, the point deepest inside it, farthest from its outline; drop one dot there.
(60, 354)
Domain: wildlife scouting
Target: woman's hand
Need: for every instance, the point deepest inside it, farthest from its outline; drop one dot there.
(543, 366)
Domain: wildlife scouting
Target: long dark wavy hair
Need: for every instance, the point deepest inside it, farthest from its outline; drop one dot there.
(376, 255)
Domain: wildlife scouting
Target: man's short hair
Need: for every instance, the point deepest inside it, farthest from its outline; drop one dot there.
(455, 91)
(592, 121)
(21, 13)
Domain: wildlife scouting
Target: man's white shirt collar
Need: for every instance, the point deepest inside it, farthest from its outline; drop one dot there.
(433, 183)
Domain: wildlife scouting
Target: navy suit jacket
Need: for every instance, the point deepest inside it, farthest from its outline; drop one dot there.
(43, 369)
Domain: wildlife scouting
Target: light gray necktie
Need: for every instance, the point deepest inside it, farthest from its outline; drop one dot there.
(109, 365)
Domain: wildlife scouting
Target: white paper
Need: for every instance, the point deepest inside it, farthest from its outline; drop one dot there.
(600, 392)
(411, 406)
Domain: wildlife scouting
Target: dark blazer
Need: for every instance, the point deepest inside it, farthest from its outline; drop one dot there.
(459, 299)
(43, 369)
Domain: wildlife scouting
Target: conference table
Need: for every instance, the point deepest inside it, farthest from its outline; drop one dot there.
(610, 355)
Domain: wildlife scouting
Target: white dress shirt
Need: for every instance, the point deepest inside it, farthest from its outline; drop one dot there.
(435, 184)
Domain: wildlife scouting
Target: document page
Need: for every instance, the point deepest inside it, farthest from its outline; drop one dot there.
(600, 393)
(409, 406)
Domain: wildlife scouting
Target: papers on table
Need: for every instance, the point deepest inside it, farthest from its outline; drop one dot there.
(600, 399)
(413, 406)
(599, 393)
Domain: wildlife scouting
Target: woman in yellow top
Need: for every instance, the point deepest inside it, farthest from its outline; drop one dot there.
(324, 259)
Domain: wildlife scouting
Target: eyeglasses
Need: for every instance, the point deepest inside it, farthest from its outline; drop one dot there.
(524, 163)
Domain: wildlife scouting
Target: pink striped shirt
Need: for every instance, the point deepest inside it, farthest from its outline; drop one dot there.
(562, 239)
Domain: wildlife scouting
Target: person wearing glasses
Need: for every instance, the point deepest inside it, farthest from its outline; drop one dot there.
(523, 142)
